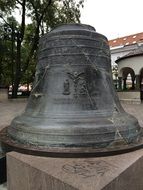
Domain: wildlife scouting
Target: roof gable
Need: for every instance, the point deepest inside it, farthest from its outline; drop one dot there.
(135, 52)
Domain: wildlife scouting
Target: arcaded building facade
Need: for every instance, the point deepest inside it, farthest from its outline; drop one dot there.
(127, 53)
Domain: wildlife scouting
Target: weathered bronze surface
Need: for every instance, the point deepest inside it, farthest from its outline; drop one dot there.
(73, 107)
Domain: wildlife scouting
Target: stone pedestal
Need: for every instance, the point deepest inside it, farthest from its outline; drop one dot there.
(120, 172)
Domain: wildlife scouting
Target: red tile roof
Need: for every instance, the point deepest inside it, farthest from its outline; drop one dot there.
(126, 40)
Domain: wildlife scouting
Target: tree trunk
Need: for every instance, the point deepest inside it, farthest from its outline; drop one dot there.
(1, 71)
(20, 36)
(17, 75)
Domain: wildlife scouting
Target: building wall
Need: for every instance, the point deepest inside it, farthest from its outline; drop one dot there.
(136, 63)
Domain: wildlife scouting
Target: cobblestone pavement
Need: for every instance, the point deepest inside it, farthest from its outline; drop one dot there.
(3, 187)
(136, 110)
(8, 110)
(11, 108)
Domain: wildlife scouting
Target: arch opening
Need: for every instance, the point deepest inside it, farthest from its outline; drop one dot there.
(127, 80)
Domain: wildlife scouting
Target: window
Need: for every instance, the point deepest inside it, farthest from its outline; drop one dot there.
(127, 43)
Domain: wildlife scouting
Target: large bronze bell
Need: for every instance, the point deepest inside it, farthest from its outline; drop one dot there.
(73, 108)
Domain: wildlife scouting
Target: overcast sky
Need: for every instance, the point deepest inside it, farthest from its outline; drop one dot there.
(114, 18)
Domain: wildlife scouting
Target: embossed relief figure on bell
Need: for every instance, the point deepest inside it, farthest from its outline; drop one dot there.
(73, 108)
(66, 87)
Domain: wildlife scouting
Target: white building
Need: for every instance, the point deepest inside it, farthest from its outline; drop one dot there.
(127, 53)
(122, 46)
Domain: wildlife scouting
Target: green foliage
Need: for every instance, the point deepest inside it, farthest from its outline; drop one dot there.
(6, 6)
(19, 42)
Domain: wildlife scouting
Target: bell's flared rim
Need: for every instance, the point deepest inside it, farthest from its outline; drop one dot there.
(8, 144)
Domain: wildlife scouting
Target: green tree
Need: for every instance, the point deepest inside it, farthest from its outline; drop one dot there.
(44, 15)
(5, 54)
